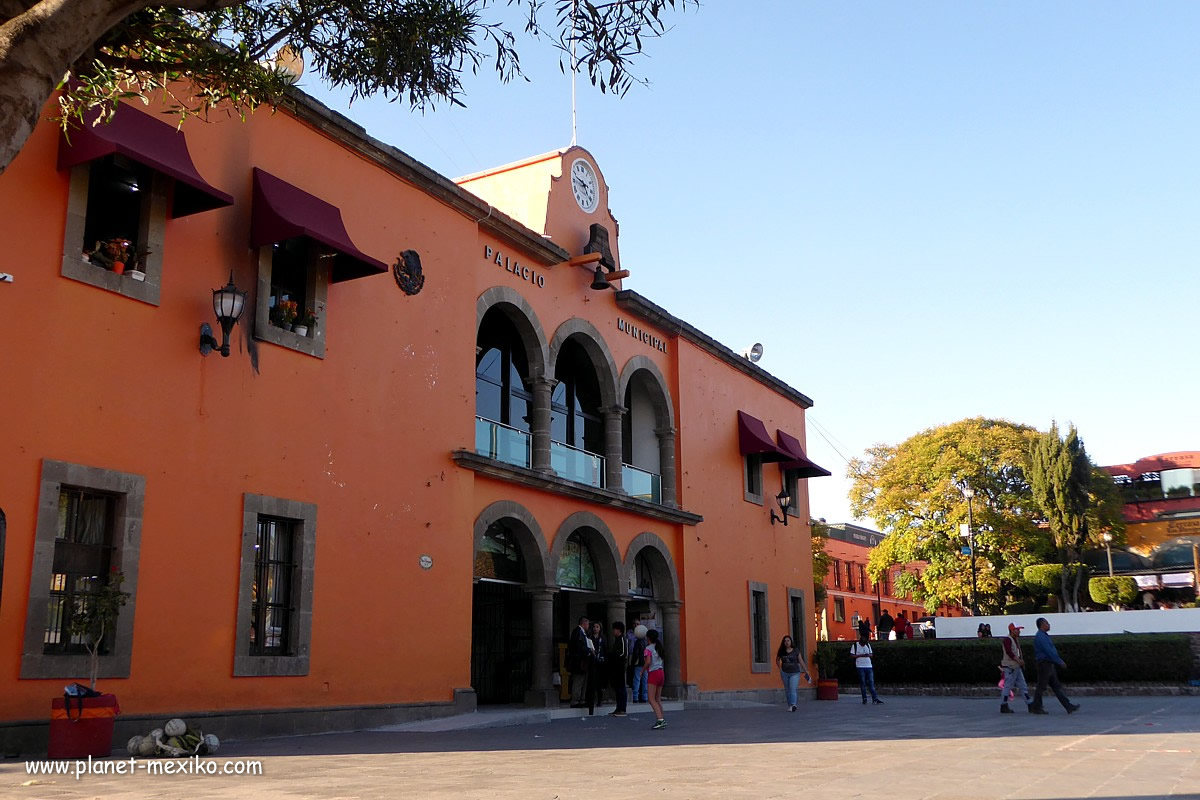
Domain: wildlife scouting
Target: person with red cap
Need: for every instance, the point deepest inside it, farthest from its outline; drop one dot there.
(1012, 664)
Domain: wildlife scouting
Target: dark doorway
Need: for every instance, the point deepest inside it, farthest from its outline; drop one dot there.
(501, 643)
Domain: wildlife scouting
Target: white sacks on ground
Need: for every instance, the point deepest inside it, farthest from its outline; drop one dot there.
(134, 747)
(175, 727)
(211, 743)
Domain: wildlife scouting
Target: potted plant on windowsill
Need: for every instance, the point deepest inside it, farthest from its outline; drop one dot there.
(307, 322)
(827, 684)
(138, 272)
(287, 310)
(81, 724)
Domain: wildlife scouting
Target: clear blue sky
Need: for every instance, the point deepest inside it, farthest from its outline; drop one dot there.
(923, 210)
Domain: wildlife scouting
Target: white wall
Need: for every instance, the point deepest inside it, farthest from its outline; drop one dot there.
(1174, 620)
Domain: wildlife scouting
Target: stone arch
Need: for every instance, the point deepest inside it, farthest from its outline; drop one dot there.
(508, 301)
(611, 578)
(596, 348)
(662, 566)
(529, 538)
(661, 393)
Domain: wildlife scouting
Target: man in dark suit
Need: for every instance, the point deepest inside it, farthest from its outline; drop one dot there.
(579, 658)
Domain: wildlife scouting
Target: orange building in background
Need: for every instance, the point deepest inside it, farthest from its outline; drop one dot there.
(444, 430)
(853, 596)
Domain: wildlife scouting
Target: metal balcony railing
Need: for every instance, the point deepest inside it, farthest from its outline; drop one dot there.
(503, 443)
(641, 484)
(577, 465)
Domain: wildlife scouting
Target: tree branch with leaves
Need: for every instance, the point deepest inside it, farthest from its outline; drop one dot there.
(198, 56)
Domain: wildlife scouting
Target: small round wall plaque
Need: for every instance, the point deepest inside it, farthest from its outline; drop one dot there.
(426, 562)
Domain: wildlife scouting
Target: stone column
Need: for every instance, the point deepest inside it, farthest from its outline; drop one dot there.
(615, 610)
(666, 466)
(542, 693)
(539, 426)
(674, 653)
(613, 451)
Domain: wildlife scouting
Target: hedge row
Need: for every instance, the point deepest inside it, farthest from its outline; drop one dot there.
(1157, 657)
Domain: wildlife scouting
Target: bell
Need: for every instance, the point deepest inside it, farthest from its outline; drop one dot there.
(599, 281)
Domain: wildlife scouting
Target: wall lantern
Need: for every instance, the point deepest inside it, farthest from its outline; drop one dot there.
(784, 500)
(228, 304)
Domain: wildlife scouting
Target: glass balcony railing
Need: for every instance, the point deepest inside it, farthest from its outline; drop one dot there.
(577, 465)
(641, 484)
(498, 441)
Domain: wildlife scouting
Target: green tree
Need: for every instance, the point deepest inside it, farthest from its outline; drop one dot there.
(821, 561)
(913, 492)
(1113, 592)
(205, 54)
(95, 617)
(1061, 476)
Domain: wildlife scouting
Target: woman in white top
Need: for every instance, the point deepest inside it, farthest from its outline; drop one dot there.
(656, 677)
(861, 650)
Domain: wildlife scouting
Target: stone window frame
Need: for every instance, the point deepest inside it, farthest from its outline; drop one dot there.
(300, 634)
(798, 594)
(151, 236)
(317, 291)
(130, 491)
(752, 587)
(757, 462)
(836, 616)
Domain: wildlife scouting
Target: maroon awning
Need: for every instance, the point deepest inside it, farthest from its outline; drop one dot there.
(754, 441)
(149, 141)
(281, 211)
(798, 462)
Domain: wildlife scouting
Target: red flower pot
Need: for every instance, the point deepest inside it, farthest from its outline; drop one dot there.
(827, 689)
(119, 267)
(85, 729)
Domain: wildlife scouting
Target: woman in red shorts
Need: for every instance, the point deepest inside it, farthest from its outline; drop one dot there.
(655, 677)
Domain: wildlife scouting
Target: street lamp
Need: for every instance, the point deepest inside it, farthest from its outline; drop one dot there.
(1107, 537)
(784, 500)
(228, 304)
(969, 493)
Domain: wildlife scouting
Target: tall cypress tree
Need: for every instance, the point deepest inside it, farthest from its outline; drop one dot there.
(1061, 477)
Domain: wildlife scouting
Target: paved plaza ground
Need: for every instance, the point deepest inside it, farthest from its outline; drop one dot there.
(912, 747)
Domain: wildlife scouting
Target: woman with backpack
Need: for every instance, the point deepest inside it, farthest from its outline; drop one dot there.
(861, 650)
(653, 662)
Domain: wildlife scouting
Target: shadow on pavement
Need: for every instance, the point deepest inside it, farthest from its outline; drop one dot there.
(899, 719)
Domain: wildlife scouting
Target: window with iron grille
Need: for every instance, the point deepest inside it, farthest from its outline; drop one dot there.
(271, 600)
(850, 576)
(862, 578)
(837, 574)
(83, 547)
(760, 626)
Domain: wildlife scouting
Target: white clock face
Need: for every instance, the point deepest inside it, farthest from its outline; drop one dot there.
(584, 185)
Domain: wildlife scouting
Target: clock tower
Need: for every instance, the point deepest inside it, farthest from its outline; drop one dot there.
(561, 195)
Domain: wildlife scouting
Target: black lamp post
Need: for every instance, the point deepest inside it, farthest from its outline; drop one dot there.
(784, 500)
(228, 305)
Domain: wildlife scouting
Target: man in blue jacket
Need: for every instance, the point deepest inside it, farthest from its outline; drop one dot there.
(1048, 662)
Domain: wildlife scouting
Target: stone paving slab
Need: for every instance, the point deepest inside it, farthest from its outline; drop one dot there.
(1135, 748)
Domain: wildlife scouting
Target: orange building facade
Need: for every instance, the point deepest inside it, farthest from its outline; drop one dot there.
(851, 595)
(400, 508)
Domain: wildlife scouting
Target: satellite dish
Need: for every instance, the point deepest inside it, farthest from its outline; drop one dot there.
(753, 353)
